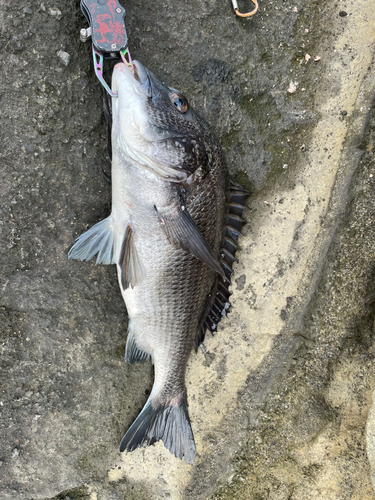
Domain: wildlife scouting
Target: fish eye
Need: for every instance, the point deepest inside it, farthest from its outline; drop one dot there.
(179, 102)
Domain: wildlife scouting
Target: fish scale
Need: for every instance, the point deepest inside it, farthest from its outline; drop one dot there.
(170, 203)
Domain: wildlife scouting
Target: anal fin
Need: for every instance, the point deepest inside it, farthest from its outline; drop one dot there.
(133, 354)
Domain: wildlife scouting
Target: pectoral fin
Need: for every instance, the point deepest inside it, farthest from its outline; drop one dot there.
(133, 271)
(97, 240)
(182, 231)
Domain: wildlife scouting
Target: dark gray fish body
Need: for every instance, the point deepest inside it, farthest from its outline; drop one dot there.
(169, 205)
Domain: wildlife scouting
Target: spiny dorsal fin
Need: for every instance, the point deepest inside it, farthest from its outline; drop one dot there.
(133, 271)
(181, 230)
(218, 300)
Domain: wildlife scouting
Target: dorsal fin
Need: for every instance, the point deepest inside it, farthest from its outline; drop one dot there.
(218, 299)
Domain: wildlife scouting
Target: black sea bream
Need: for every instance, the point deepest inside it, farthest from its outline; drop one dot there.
(172, 234)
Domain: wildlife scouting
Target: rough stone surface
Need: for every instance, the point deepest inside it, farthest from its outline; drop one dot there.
(280, 402)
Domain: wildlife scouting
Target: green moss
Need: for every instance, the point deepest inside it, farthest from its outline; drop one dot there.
(260, 109)
(229, 139)
(129, 490)
(311, 470)
(79, 493)
(244, 181)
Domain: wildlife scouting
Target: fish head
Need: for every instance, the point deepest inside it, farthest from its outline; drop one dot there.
(154, 127)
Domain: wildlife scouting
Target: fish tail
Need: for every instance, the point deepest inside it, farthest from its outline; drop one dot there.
(169, 423)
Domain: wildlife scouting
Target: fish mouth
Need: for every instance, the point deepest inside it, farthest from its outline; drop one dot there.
(138, 75)
(142, 76)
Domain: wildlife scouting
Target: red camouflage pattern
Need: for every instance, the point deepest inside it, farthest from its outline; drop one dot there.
(106, 28)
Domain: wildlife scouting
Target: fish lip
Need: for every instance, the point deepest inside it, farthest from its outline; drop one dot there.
(142, 76)
(138, 75)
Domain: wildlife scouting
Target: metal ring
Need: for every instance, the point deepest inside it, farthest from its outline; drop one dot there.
(248, 14)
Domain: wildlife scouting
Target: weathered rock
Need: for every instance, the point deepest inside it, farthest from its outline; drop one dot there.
(280, 400)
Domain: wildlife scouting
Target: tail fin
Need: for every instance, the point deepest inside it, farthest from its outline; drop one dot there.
(171, 424)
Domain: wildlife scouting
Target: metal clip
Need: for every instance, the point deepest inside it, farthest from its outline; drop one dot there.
(128, 62)
(85, 34)
(248, 14)
(98, 66)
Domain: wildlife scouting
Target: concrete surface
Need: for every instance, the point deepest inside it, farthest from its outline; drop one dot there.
(279, 402)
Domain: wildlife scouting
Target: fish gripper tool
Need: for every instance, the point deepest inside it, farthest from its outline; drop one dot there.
(107, 31)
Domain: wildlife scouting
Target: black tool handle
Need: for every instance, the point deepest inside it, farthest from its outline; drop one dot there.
(107, 21)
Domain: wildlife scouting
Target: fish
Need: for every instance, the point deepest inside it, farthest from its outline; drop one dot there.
(172, 233)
